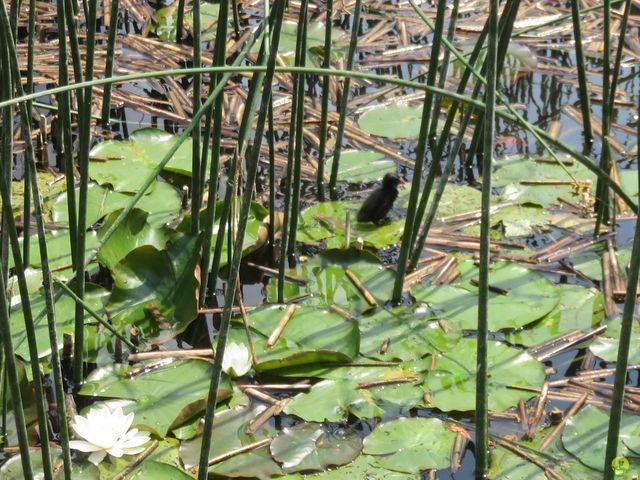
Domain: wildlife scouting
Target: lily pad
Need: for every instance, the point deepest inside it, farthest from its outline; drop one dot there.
(157, 290)
(326, 221)
(315, 43)
(312, 446)
(452, 383)
(333, 401)
(12, 468)
(95, 297)
(161, 464)
(509, 172)
(163, 396)
(47, 186)
(165, 25)
(134, 232)
(328, 283)
(585, 436)
(411, 444)
(363, 467)
(140, 154)
(162, 202)
(229, 433)
(58, 249)
(392, 121)
(409, 334)
(526, 297)
(362, 166)
(579, 309)
(517, 221)
(605, 346)
(311, 335)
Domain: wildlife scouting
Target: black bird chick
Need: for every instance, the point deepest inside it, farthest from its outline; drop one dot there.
(380, 202)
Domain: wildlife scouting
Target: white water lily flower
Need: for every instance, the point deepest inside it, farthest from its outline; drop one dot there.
(106, 430)
(237, 360)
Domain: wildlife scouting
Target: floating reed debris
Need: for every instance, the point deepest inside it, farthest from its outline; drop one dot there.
(275, 335)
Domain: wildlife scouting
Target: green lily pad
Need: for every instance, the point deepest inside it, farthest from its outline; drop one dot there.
(510, 171)
(392, 121)
(58, 249)
(328, 284)
(164, 396)
(452, 383)
(605, 346)
(411, 444)
(311, 335)
(95, 297)
(579, 309)
(517, 221)
(162, 202)
(585, 436)
(149, 279)
(588, 263)
(165, 25)
(455, 199)
(362, 166)
(134, 232)
(314, 447)
(229, 433)
(363, 467)
(140, 154)
(161, 464)
(326, 221)
(47, 186)
(409, 334)
(315, 43)
(12, 468)
(529, 296)
(333, 401)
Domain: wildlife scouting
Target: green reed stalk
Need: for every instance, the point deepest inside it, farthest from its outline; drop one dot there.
(180, 20)
(220, 55)
(324, 112)
(84, 120)
(602, 188)
(27, 172)
(583, 85)
(510, 116)
(444, 67)
(344, 99)
(108, 69)
(295, 127)
(14, 383)
(7, 154)
(225, 219)
(408, 237)
(10, 60)
(437, 155)
(196, 134)
(482, 397)
(236, 18)
(297, 167)
(272, 177)
(622, 360)
(74, 43)
(618, 59)
(234, 267)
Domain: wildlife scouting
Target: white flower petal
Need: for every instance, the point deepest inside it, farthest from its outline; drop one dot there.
(133, 451)
(115, 452)
(97, 457)
(83, 446)
(81, 427)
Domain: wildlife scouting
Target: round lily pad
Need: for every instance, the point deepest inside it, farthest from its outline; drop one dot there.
(519, 296)
(362, 166)
(328, 283)
(452, 382)
(579, 309)
(585, 436)
(411, 444)
(605, 346)
(392, 121)
(313, 446)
